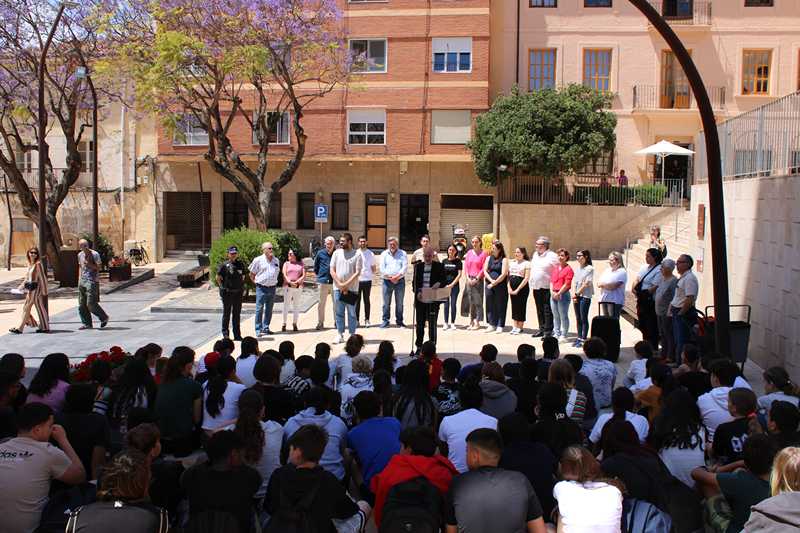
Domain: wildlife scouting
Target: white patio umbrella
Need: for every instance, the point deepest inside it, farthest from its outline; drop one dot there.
(663, 149)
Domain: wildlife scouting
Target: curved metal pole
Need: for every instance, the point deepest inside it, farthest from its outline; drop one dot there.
(716, 197)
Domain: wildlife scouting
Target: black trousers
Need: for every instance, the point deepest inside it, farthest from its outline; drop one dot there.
(364, 288)
(425, 314)
(648, 321)
(543, 311)
(231, 311)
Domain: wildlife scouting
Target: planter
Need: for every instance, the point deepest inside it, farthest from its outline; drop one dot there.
(119, 273)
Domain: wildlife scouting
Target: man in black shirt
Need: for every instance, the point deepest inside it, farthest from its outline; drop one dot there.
(427, 274)
(230, 280)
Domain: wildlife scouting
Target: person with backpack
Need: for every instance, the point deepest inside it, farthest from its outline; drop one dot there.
(489, 498)
(302, 497)
(409, 492)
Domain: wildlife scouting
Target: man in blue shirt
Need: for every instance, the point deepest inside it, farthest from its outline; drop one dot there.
(322, 269)
(393, 271)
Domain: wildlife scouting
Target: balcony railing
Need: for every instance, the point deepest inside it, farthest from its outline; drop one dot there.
(684, 12)
(31, 178)
(673, 97)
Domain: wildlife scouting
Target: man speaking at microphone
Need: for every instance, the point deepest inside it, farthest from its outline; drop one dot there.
(427, 275)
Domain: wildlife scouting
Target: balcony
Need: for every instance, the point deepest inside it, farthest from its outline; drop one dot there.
(684, 13)
(671, 98)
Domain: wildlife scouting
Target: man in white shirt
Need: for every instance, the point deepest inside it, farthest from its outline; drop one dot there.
(264, 273)
(682, 307)
(368, 269)
(543, 261)
(393, 271)
(454, 428)
(346, 266)
(713, 405)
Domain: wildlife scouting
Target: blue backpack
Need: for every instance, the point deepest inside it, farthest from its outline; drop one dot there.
(639, 516)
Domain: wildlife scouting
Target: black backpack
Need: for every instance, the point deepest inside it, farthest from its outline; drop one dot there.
(414, 506)
(211, 521)
(293, 517)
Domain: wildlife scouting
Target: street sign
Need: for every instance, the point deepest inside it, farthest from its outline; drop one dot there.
(320, 213)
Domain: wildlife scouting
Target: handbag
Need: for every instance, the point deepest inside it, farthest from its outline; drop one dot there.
(643, 295)
(349, 297)
(31, 285)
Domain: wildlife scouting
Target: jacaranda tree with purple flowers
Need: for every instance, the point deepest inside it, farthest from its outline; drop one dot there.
(216, 63)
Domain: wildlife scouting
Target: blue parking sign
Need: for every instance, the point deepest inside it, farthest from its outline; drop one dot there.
(320, 213)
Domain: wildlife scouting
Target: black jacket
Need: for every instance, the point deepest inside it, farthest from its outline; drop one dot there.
(437, 276)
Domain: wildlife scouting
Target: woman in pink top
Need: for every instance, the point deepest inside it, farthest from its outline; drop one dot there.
(49, 385)
(472, 301)
(294, 274)
(560, 283)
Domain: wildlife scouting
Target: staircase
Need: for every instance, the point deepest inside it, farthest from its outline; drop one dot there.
(677, 230)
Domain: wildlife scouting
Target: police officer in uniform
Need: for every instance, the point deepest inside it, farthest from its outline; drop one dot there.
(230, 279)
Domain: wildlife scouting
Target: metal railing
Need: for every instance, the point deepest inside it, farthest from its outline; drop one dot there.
(684, 12)
(673, 97)
(31, 177)
(762, 142)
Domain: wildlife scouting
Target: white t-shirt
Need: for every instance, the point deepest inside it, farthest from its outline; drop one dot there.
(681, 461)
(454, 431)
(588, 507)
(271, 454)
(518, 268)
(584, 273)
(687, 286)
(288, 371)
(642, 384)
(244, 370)
(367, 262)
(617, 295)
(636, 372)
(765, 402)
(714, 409)
(640, 424)
(229, 411)
(265, 271)
(342, 368)
(652, 279)
(542, 268)
(346, 263)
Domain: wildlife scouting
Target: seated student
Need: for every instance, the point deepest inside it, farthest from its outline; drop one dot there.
(386, 359)
(247, 361)
(9, 388)
(636, 372)
(134, 389)
(526, 387)
(647, 381)
(554, 428)
(778, 386)
(730, 437)
(498, 399)
(320, 370)
(280, 401)
(588, 501)
(87, 431)
(122, 500)
(782, 423)
(179, 404)
(300, 383)
(165, 476)
(779, 513)
(417, 458)
(533, 459)
(428, 354)
(224, 483)
(29, 464)
(732, 491)
(446, 395)
(524, 351)
(100, 373)
(679, 436)
(315, 413)
(487, 354)
(690, 374)
(454, 428)
(359, 380)
(650, 400)
(14, 364)
(49, 385)
(601, 372)
(413, 404)
(150, 353)
(221, 396)
(207, 366)
(622, 409)
(375, 439)
(551, 353)
(562, 373)
(489, 498)
(342, 366)
(713, 405)
(322, 352)
(288, 368)
(583, 384)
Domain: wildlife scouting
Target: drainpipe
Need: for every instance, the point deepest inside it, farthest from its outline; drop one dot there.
(122, 166)
(516, 70)
(10, 223)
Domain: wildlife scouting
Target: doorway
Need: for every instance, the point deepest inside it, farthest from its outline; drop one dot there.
(234, 211)
(413, 219)
(678, 172)
(185, 216)
(375, 227)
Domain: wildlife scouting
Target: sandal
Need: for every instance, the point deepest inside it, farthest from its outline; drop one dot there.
(15, 331)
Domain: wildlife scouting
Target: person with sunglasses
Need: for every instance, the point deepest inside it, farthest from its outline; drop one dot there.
(35, 287)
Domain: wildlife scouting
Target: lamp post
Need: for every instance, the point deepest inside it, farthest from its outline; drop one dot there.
(83, 72)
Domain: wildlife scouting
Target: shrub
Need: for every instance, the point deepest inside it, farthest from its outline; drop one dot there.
(249, 242)
(650, 194)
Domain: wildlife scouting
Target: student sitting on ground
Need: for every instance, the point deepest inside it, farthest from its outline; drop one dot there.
(622, 409)
(498, 399)
(489, 498)
(360, 380)
(413, 405)
(551, 353)
(714, 405)
(780, 512)
(221, 396)
(690, 374)
(9, 388)
(278, 398)
(300, 383)
(679, 436)
(320, 370)
(50, 383)
(446, 395)
(554, 428)
(288, 369)
(428, 354)
(417, 459)
(454, 428)
(562, 373)
(524, 351)
(650, 400)
(303, 490)
(583, 384)
(247, 361)
(179, 404)
(636, 372)
(778, 386)
(730, 437)
(87, 431)
(526, 387)
(601, 372)
(487, 354)
(782, 422)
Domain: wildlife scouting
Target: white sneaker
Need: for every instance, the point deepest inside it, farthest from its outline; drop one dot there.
(562, 338)
(489, 329)
(339, 339)
(366, 323)
(499, 329)
(513, 331)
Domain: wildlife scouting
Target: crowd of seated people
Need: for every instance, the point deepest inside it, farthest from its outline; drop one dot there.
(266, 441)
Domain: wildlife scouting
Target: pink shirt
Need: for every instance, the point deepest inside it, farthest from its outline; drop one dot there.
(562, 275)
(473, 263)
(54, 399)
(294, 271)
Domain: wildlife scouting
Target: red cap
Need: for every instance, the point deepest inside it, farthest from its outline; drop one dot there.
(211, 359)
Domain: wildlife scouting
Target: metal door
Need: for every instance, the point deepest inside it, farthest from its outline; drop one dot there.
(413, 219)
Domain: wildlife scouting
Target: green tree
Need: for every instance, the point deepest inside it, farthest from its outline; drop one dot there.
(544, 133)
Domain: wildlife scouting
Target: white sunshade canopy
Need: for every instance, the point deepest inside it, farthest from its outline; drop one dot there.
(664, 148)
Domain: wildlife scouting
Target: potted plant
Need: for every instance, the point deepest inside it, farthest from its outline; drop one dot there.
(119, 269)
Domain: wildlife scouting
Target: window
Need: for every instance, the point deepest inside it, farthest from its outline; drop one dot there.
(369, 55)
(366, 126)
(452, 54)
(189, 132)
(279, 134)
(544, 3)
(755, 71)
(597, 69)
(602, 165)
(542, 69)
(451, 127)
(596, 3)
(86, 149)
(274, 221)
(24, 159)
(340, 211)
(675, 92)
(305, 210)
(759, 3)
(798, 70)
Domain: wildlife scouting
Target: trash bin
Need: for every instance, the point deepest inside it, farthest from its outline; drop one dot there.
(68, 275)
(740, 335)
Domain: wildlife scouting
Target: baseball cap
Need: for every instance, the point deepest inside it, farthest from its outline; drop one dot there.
(233, 250)
(211, 359)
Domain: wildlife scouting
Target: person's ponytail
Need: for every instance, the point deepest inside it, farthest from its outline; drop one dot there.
(218, 384)
(779, 378)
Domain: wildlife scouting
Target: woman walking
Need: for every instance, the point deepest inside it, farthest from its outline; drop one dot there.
(495, 270)
(582, 292)
(612, 286)
(294, 274)
(644, 289)
(519, 272)
(472, 301)
(35, 287)
(559, 295)
(453, 268)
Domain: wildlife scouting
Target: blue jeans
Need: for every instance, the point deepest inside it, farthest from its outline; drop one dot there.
(681, 329)
(582, 307)
(451, 305)
(560, 309)
(265, 298)
(398, 290)
(339, 309)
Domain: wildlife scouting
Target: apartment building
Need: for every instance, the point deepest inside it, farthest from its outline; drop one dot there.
(387, 154)
(748, 52)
